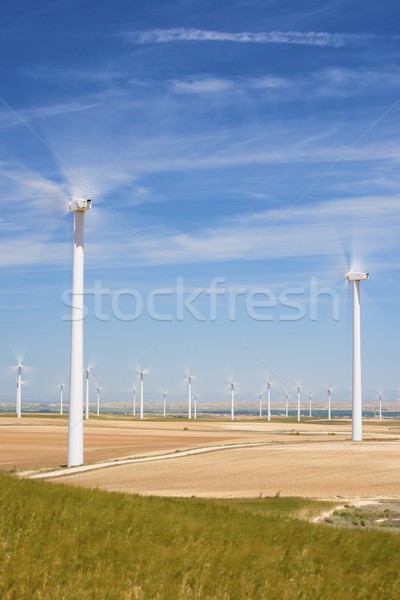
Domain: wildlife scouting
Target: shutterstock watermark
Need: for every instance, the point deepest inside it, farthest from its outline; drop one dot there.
(209, 303)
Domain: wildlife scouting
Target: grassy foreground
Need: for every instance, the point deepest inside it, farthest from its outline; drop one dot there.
(59, 542)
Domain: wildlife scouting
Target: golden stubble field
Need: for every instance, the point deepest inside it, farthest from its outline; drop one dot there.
(311, 459)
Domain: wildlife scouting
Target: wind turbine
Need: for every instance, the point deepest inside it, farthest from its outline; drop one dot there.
(357, 390)
(18, 404)
(298, 403)
(232, 386)
(189, 380)
(329, 403)
(98, 388)
(269, 400)
(87, 372)
(19, 389)
(380, 407)
(310, 398)
(75, 418)
(61, 398)
(260, 401)
(134, 402)
(287, 404)
(195, 406)
(164, 404)
(141, 373)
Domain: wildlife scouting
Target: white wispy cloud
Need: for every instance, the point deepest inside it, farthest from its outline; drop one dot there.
(311, 38)
(209, 85)
(371, 223)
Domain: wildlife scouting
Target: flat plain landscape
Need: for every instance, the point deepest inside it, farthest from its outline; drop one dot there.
(314, 459)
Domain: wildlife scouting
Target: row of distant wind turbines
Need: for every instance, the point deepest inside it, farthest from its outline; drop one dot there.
(192, 400)
(75, 419)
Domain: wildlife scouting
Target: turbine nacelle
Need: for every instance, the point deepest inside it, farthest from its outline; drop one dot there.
(80, 205)
(354, 276)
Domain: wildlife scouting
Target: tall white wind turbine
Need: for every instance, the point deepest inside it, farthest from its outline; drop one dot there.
(298, 403)
(134, 401)
(75, 419)
(98, 388)
(189, 380)
(329, 403)
(260, 403)
(195, 396)
(19, 390)
(310, 399)
(164, 404)
(141, 373)
(61, 398)
(380, 407)
(232, 388)
(87, 373)
(20, 368)
(356, 278)
(287, 404)
(269, 400)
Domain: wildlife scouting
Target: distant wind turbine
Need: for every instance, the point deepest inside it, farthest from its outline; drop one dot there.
(165, 404)
(61, 398)
(20, 368)
(134, 402)
(310, 398)
(195, 406)
(19, 390)
(356, 278)
(260, 401)
(287, 404)
(189, 380)
(87, 371)
(380, 407)
(268, 400)
(98, 388)
(298, 403)
(232, 387)
(329, 403)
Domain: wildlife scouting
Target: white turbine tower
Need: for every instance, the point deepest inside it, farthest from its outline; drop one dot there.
(20, 369)
(298, 403)
(134, 402)
(87, 372)
(165, 404)
(189, 380)
(268, 400)
(75, 419)
(380, 407)
(329, 403)
(19, 390)
(357, 399)
(310, 398)
(17, 398)
(98, 388)
(260, 401)
(61, 398)
(141, 374)
(232, 387)
(195, 406)
(287, 404)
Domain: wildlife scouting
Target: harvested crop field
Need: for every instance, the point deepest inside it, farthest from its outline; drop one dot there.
(313, 459)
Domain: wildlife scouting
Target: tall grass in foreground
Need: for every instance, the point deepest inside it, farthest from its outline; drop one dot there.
(59, 542)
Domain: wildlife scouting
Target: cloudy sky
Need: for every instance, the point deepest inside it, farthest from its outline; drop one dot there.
(241, 156)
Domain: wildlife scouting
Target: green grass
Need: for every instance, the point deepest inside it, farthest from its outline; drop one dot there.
(58, 542)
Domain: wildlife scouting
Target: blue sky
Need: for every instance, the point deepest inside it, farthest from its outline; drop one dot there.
(253, 142)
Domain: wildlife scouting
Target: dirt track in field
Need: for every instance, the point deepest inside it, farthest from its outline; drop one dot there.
(294, 459)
